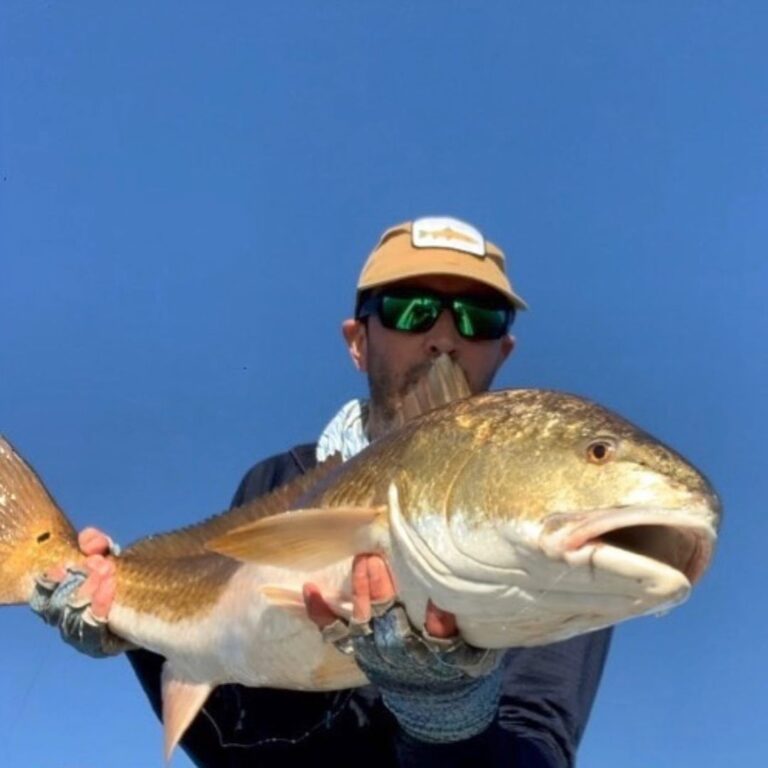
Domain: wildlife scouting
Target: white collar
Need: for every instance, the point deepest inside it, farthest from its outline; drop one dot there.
(345, 432)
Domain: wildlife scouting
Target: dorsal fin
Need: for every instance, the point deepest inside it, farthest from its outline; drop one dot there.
(443, 383)
(191, 540)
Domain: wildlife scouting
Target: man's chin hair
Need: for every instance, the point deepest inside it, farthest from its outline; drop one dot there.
(383, 400)
(386, 396)
(413, 376)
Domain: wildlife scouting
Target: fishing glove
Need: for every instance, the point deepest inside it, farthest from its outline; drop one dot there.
(56, 604)
(440, 690)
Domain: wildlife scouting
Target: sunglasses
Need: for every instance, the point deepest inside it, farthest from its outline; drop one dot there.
(481, 318)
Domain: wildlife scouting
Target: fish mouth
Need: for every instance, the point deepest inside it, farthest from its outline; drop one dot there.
(685, 550)
(666, 544)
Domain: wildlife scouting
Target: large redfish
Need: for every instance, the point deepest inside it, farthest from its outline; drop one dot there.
(532, 515)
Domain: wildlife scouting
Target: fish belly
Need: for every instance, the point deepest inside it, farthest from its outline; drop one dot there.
(250, 636)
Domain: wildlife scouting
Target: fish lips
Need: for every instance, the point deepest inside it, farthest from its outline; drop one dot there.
(664, 551)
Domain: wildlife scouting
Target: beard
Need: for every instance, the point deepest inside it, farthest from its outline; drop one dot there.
(387, 391)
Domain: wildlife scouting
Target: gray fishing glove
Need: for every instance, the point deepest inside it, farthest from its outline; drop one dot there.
(56, 604)
(440, 690)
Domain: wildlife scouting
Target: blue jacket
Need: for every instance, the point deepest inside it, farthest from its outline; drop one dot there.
(547, 696)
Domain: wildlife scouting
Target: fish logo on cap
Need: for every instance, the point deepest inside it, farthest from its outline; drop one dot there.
(445, 232)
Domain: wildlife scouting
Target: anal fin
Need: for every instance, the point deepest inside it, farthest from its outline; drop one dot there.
(182, 701)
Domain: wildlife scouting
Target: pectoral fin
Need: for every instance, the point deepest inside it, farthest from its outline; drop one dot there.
(181, 703)
(306, 539)
(292, 601)
(287, 599)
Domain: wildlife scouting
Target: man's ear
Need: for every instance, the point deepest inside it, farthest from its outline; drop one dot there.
(356, 335)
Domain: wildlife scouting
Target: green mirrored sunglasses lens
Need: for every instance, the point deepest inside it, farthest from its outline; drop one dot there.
(475, 322)
(410, 314)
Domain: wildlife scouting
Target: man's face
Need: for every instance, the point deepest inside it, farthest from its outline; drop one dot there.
(394, 360)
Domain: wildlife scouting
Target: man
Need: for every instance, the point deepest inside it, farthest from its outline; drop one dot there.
(431, 287)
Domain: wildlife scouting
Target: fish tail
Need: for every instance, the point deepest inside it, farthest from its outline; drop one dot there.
(35, 535)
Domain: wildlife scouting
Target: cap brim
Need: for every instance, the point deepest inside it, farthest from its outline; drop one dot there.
(441, 262)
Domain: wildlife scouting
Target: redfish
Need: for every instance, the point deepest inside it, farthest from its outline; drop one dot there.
(531, 515)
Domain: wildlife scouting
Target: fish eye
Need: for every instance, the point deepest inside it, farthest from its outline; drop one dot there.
(601, 450)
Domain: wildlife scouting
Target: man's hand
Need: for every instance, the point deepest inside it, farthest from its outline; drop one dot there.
(373, 588)
(78, 600)
(439, 688)
(98, 589)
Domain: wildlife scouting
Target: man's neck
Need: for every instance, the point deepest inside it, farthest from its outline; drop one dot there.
(380, 421)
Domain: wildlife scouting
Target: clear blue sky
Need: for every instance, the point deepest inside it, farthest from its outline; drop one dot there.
(188, 190)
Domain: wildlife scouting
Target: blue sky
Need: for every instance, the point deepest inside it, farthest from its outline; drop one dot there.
(188, 191)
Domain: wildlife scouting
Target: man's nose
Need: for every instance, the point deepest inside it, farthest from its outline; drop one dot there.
(442, 337)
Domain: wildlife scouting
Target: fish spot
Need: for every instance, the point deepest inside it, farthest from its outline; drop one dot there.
(43, 537)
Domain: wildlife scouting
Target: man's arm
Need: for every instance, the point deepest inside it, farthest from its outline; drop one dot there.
(547, 696)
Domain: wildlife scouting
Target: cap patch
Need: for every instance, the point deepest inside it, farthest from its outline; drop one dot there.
(445, 232)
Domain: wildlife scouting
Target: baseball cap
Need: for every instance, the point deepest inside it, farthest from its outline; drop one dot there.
(437, 245)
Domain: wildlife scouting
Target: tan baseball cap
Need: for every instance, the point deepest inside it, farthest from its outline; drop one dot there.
(437, 245)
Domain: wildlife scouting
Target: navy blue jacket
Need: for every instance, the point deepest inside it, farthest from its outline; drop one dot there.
(547, 696)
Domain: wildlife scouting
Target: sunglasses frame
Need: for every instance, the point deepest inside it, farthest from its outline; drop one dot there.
(373, 305)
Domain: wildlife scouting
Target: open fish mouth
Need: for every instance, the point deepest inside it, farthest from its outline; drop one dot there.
(685, 550)
(636, 543)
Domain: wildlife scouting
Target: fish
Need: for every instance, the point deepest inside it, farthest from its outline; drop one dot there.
(532, 515)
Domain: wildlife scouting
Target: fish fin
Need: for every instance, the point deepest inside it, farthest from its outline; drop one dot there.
(286, 599)
(181, 703)
(443, 383)
(337, 671)
(34, 533)
(282, 596)
(305, 539)
(292, 601)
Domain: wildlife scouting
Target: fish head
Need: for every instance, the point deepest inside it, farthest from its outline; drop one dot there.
(555, 517)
